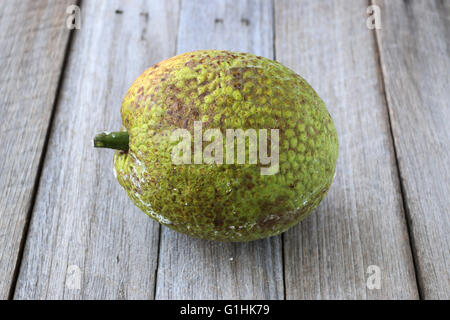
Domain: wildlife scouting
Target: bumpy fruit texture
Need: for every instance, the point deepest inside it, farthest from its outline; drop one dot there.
(226, 90)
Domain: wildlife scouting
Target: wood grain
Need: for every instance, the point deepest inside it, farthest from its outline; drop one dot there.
(33, 43)
(414, 47)
(197, 269)
(82, 220)
(361, 222)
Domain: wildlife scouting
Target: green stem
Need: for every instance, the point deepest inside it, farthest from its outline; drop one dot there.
(113, 140)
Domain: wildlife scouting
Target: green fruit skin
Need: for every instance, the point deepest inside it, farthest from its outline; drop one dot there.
(226, 90)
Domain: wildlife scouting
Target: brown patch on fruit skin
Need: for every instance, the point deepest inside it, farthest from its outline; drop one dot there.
(229, 90)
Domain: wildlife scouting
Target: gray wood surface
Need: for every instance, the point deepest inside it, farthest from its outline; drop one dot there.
(82, 221)
(415, 53)
(33, 42)
(361, 222)
(387, 91)
(198, 269)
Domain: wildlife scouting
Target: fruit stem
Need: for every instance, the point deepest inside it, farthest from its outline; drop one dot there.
(113, 140)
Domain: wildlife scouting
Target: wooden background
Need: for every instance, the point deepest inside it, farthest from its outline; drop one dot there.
(63, 214)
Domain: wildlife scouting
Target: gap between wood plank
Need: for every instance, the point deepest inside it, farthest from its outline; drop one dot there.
(34, 191)
(157, 263)
(282, 237)
(399, 173)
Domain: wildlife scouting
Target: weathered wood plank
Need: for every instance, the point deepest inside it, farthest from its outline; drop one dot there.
(197, 269)
(361, 222)
(415, 54)
(33, 43)
(82, 220)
